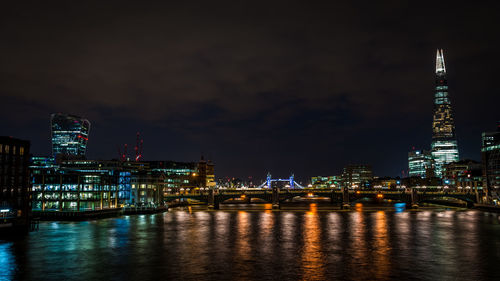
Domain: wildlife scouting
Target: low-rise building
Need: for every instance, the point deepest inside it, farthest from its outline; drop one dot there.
(15, 200)
(326, 182)
(465, 174)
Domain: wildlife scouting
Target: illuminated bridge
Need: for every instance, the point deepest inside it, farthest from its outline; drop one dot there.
(345, 197)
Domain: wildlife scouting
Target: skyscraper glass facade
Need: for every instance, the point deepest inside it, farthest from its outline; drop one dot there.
(444, 148)
(69, 135)
(418, 163)
(490, 154)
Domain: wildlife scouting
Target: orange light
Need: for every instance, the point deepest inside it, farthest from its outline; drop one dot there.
(310, 195)
(243, 196)
(358, 207)
(358, 192)
(380, 195)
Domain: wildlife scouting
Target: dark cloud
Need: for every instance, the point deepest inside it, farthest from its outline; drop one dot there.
(281, 86)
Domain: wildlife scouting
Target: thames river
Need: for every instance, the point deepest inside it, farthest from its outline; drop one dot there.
(310, 244)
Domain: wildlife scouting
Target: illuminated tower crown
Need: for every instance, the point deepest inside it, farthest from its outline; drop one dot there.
(444, 143)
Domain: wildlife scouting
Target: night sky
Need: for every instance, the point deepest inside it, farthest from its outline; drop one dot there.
(256, 86)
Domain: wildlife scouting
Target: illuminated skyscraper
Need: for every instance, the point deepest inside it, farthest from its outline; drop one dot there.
(444, 148)
(418, 163)
(69, 136)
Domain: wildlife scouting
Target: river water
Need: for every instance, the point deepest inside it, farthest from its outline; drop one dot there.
(262, 245)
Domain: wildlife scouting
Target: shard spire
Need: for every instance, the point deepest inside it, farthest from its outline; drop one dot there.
(440, 67)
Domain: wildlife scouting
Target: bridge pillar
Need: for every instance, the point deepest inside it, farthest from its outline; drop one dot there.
(276, 198)
(213, 199)
(414, 198)
(345, 198)
(332, 197)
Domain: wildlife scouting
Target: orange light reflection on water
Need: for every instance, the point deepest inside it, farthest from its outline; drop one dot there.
(382, 247)
(313, 209)
(358, 207)
(313, 260)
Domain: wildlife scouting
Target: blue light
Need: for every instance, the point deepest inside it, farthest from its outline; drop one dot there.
(399, 207)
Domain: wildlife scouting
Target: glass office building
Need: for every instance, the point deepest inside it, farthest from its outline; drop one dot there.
(69, 136)
(444, 148)
(490, 158)
(418, 163)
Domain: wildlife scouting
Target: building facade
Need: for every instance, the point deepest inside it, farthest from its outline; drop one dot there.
(444, 147)
(419, 163)
(326, 182)
(490, 160)
(82, 185)
(15, 196)
(357, 176)
(70, 135)
(463, 174)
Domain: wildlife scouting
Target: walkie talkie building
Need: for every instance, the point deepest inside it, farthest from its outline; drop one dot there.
(69, 135)
(444, 148)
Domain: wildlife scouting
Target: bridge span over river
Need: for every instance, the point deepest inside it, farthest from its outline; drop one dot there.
(344, 197)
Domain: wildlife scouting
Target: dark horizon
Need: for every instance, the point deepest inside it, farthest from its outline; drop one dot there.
(280, 87)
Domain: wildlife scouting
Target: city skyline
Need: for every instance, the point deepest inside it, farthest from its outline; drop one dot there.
(336, 91)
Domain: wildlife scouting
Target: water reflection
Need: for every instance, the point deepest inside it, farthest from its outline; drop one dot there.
(242, 256)
(358, 247)
(257, 245)
(7, 261)
(382, 249)
(312, 256)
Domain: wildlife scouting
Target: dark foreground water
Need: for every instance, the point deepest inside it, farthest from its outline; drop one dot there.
(262, 245)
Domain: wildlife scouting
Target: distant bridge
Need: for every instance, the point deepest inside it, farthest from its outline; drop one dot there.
(269, 181)
(343, 196)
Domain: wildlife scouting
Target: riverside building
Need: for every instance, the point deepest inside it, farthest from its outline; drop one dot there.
(15, 201)
(490, 160)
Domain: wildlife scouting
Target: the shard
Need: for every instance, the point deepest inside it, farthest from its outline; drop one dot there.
(444, 146)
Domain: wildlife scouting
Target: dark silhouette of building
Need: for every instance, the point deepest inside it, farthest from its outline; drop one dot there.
(206, 173)
(15, 201)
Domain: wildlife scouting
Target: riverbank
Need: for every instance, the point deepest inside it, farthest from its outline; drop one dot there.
(94, 214)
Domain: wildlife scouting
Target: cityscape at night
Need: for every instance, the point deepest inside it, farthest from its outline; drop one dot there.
(249, 140)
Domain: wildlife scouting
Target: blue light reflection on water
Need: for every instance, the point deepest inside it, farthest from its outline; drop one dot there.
(399, 207)
(7, 262)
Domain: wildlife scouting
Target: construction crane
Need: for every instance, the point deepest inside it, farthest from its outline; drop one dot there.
(138, 147)
(122, 155)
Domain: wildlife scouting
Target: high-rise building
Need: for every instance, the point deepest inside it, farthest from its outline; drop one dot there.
(419, 161)
(15, 200)
(357, 176)
(490, 156)
(444, 148)
(69, 136)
